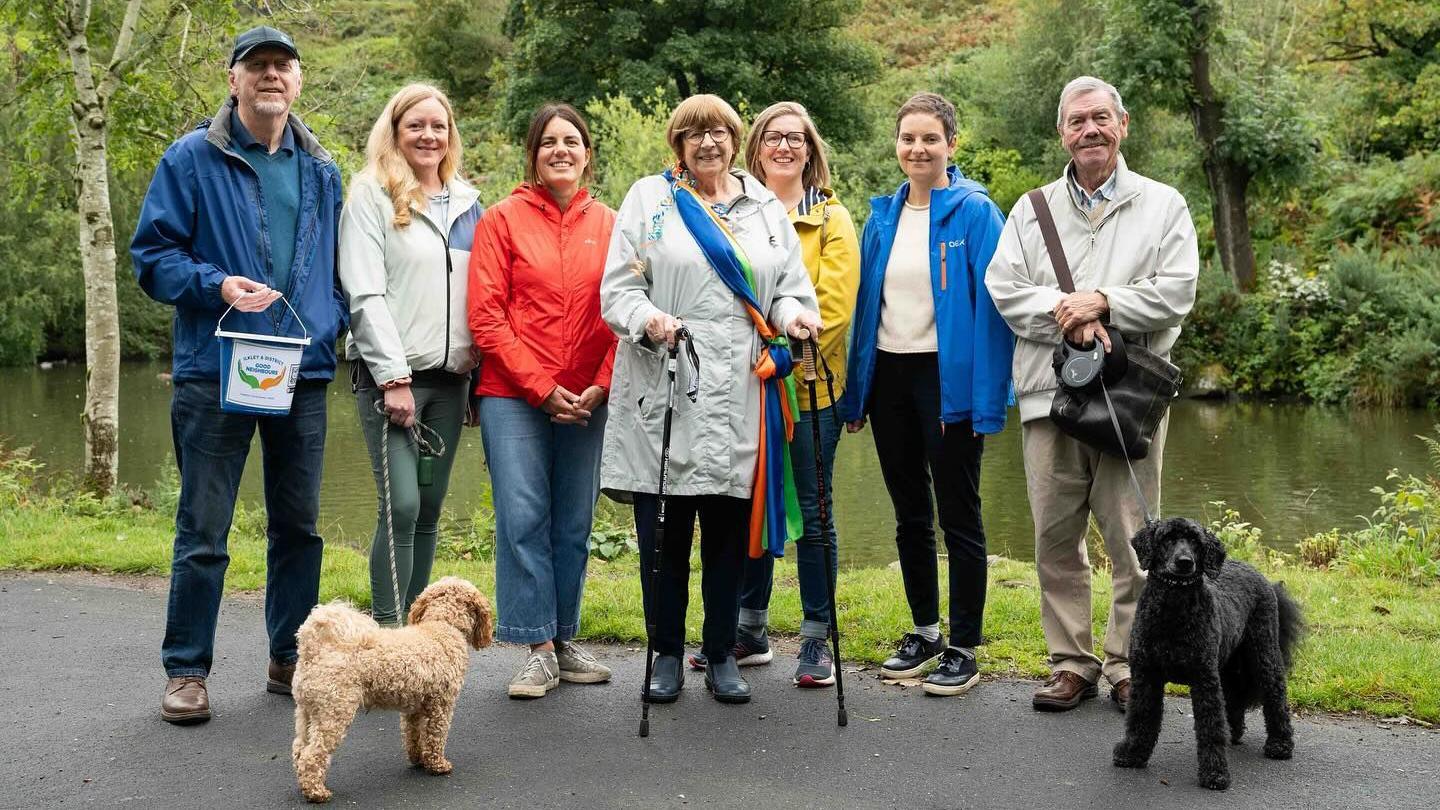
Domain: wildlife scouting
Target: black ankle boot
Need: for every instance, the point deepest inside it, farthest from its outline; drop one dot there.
(666, 679)
(722, 678)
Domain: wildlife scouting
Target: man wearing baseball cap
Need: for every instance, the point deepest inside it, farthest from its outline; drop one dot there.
(243, 211)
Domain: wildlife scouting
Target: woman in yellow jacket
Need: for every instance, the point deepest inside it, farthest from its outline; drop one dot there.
(786, 153)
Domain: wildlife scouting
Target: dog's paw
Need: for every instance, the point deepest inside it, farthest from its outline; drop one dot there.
(1277, 748)
(1218, 779)
(439, 767)
(1125, 757)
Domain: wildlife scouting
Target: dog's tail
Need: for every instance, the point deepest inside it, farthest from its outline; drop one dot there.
(1292, 624)
(335, 625)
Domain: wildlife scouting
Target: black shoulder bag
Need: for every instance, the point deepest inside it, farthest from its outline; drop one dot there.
(1113, 402)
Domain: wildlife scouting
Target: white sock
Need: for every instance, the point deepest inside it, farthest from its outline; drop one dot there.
(968, 652)
(930, 632)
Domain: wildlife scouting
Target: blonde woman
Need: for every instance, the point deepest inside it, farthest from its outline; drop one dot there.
(787, 154)
(405, 238)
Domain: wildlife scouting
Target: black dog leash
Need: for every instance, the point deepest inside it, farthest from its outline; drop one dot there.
(1134, 481)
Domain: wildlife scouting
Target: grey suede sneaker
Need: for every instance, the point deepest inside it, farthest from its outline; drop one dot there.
(540, 674)
(578, 665)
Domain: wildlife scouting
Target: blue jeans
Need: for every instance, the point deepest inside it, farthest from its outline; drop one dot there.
(210, 450)
(810, 548)
(544, 479)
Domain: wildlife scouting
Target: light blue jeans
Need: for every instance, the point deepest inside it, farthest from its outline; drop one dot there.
(545, 479)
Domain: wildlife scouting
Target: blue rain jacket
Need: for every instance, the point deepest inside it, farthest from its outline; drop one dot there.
(204, 219)
(975, 345)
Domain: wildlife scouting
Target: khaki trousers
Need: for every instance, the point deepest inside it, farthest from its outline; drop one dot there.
(1067, 481)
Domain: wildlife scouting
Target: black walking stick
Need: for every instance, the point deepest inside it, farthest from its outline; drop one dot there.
(809, 353)
(671, 362)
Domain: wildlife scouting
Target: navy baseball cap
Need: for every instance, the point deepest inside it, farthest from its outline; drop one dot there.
(259, 36)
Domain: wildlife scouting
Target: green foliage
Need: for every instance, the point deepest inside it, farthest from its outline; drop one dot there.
(458, 42)
(1384, 67)
(751, 50)
(1361, 328)
(1401, 538)
(18, 475)
(1244, 541)
(1384, 202)
(630, 142)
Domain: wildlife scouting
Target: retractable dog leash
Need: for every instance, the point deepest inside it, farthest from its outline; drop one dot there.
(692, 391)
(1134, 482)
(427, 450)
(809, 353)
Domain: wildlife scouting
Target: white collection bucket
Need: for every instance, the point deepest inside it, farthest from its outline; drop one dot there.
(258, 373)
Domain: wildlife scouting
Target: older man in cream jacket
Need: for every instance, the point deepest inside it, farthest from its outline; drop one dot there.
(1130, 245)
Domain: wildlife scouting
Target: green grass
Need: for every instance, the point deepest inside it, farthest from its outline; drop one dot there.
(1372, 646)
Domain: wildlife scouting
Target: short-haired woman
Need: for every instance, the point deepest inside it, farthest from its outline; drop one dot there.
(786, 153)
(535, 313)
(709, 248)
(930, 366)
(405, 230)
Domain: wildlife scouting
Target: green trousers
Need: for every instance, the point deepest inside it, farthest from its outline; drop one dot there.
(414, 509)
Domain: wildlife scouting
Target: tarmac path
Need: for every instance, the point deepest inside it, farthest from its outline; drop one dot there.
(83, 683)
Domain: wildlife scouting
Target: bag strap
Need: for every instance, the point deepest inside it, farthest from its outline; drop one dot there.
(1052, 239)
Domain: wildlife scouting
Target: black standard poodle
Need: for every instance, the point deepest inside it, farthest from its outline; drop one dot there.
(1217, 625)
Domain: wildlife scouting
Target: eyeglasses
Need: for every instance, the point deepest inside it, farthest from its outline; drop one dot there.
(771, 138)
(696, 136)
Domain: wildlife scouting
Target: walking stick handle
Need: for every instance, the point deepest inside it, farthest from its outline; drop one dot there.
(807, 360)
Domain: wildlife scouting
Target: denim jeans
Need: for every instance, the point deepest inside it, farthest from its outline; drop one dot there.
(916, 451)
(724, 534)
(440, 403)
(210, 450)
(810, 548)
(545, 479)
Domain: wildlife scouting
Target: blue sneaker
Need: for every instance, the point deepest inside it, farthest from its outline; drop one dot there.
(815, 669)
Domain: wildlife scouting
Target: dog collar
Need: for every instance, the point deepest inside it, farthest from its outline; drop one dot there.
(1176, 582)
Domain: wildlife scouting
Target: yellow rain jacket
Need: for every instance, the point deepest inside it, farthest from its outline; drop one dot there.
(832, 257)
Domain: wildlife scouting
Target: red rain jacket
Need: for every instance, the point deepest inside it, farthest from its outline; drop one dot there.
(535, 295)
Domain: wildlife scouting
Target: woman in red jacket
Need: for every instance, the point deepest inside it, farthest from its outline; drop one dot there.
(535, 314)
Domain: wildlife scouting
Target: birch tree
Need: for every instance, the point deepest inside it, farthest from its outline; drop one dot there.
(109, 54)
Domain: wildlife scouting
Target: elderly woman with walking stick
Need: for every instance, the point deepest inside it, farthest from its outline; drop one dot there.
(707, 249)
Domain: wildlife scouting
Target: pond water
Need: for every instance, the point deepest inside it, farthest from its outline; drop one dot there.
(1290, 469)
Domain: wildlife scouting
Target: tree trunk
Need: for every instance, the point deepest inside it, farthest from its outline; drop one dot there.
(101, 416)
(1228, 180)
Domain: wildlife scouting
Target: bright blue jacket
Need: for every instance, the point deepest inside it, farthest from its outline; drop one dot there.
(203, 219)
(975, 345)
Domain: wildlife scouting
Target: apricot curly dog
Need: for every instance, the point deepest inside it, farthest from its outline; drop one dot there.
(348, 661)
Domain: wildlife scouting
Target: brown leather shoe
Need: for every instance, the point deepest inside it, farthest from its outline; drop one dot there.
(1120, 694)
(279, 676)
(186, 701)
(1063, 692)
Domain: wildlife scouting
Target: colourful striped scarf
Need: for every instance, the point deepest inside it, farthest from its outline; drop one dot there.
(774, 507)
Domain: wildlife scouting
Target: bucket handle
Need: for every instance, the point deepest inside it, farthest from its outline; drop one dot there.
(285, 301)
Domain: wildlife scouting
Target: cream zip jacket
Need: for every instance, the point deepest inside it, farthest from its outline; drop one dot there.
(398, 283)
(1142, 255)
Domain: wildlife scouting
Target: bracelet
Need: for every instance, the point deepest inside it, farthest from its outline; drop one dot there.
(398, 382)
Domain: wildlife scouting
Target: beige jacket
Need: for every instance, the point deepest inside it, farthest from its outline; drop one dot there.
(1142, 255)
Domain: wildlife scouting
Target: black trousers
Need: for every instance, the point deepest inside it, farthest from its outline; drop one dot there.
(916, 451)
(724, 529)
